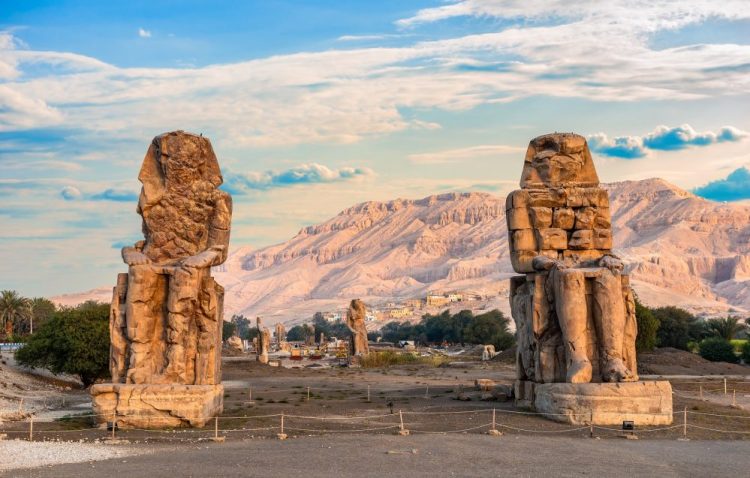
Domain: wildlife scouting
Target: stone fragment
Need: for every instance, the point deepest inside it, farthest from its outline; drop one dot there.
(581, 239)
(167, 311)
(521, 260)
(552, 238)
(355, 320)
(502, 392)
(563, 218)
(541, 217)
(602, 239)
(235, 343)
(582, 258)
(524, 240)
(585, 218)
(488, 353)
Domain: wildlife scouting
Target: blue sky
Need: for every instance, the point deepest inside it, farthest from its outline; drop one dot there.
(315, 105)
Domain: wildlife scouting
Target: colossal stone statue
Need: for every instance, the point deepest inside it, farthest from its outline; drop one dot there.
(355, 320)
(166, 314)
(574, 308)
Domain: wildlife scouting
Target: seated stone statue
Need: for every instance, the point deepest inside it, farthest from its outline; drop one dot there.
(574, 309)
(170, 307)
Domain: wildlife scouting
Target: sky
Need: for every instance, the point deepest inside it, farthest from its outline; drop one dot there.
(313, 106)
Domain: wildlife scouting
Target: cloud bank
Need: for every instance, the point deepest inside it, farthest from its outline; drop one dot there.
(311, 173)
(663, 138)
(735, 187)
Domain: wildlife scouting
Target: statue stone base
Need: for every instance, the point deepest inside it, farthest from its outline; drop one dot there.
(645, 403)
(157, 405)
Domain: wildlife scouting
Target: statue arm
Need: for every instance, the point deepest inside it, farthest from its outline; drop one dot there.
(218, 236)
(133, 255)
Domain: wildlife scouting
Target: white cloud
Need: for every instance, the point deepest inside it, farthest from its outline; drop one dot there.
(598, 51)
(144, 33)
(311, 173)
(464, 154)
(70, 193)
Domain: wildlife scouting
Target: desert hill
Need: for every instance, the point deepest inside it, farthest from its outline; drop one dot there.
(681, 250)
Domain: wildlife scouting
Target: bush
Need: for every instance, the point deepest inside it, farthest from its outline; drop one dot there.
(227, 330)
(717, 349)
(648, 325)
(746, 352)
(677, 327)
(74, 341)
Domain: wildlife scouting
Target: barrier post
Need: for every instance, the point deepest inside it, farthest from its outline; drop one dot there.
(401, 429)
(281, 435)
(114, 422)
(216, 437)
(591, 423)
(31, 428)
(494, 431)
(368, 393)
(427, 392)
(684, 425)
(308, 394)
(701, 392)
(734, 398)
(725, 386)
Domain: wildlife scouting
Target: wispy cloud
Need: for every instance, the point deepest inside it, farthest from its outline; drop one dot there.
(735, 187)
(71, 193)
(112, 194)
(144, 33)
(383, 36)
(464, 154)
(311, 173)
(599, 51)
(663, 138)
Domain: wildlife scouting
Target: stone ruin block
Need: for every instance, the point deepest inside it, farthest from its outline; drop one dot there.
(541, 217)
(524, 240)
(585, 218)
(563, 218)
(582, 239)
(518, 218)
(602, 239)
(552, 238)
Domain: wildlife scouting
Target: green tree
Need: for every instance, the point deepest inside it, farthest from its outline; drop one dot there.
(242, 325)
(14, 310)
(227, 330)
(74, 341)
(42, 310)
(300, 333)
(648, 325)
(726, 328)
(717, 349)
(489, 328)
(677, 327)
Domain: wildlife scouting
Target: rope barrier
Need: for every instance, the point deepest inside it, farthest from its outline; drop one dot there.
(587, 427)
(340, 431)
(450, 431)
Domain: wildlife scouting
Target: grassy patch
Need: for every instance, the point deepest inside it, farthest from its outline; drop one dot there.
(388, 359)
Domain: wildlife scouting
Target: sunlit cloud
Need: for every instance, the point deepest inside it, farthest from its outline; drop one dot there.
(312, 173)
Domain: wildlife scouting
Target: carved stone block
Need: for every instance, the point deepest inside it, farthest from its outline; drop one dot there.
(541, 217)
(581, 239)
(585, 218)
(518, 218)
(524, 240)
(563, 218)
(552, 238)
(602, 239)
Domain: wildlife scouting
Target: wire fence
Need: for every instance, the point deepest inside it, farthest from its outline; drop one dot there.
(440, 419)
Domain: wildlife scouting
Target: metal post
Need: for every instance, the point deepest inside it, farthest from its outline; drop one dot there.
(31, 428)
(401, 418)
(725, 386)
(308, 396)
(114, 422)
(216, 427)
(250, 394)
(368, 393)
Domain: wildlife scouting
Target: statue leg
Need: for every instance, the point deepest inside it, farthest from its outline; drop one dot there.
(610, 316)
(570, 301)
(141, 322)
(181, 302)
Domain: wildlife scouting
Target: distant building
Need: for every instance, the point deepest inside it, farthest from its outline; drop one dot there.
(437, 300)
(414, 303)
(400, 312)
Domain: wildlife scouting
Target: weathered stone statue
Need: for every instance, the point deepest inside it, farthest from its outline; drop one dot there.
(166, 314)
(355, 320)
(574, 308)
(280, 335)
(264, 342)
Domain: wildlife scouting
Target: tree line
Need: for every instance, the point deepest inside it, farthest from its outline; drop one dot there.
(677, 328)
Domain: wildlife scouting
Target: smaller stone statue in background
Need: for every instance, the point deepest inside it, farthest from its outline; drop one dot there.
(355, 320)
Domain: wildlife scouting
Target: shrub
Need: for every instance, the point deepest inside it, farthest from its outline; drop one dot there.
(746, 352)
(717, 349)
(74, 341)
(648, 325)
(677, 327)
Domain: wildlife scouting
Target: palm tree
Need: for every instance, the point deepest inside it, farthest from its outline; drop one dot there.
(725, 328)
(13, 308)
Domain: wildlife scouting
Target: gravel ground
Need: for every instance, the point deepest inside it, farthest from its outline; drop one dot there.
(15, 454)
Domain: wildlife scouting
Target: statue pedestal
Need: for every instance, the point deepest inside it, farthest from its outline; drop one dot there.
(645, 403)
(157, 405)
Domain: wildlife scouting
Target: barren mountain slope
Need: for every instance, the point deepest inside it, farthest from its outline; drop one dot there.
(681, 250)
